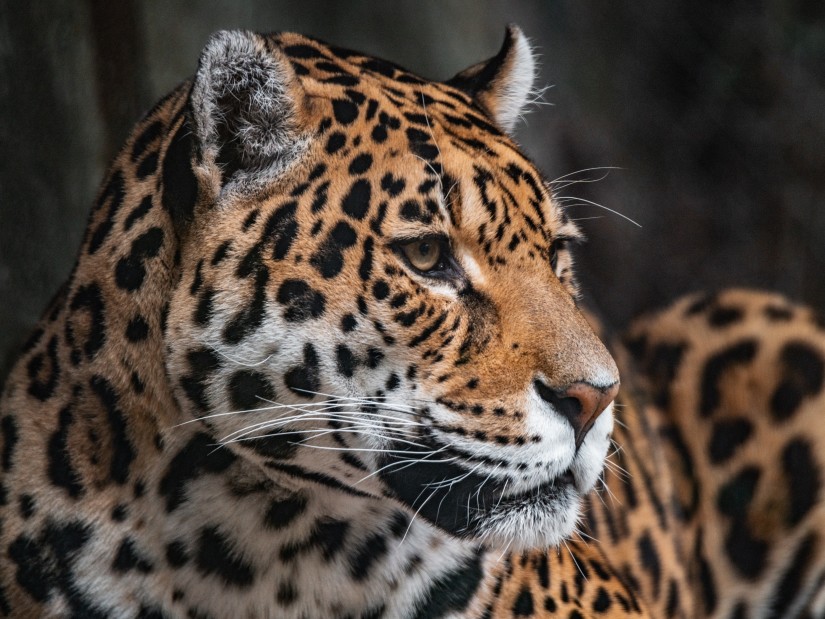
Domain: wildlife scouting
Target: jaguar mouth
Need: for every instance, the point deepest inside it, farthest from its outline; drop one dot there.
(475, 505)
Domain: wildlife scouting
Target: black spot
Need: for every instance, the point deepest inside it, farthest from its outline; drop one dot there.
(9, 429)
(365, 269)
(348, 323)
(145, 139)
(801, 369)
(216, 556)
(180, 187)
(44, 378)
(302, 51)
(602, 603)
(746, 551)
(27, 506)
(792, 579)
(451, 593)
(721, 316)
(196, 458)
(804, 481)
(130, 270)
(380, 290)
(249, 318)
(335, 142)
(249, 389)
(127, 558)
(304, 380)
(727, 436)
(120, 512)
(778, 314)
(204, 308)
(88, 299)
(220, 253)
(662, 366)
(147, 166)
(329, 258)
(360, 164)
(282, 512)
(46, 566)
(300, 300)
(61, 469)
(523, 606)
(393, 382)
(649, 559)
(346, 360)
(716, 366)
(138, 213)
(113, 194)
(137, 329)
(369, 552)
(176, 554)
(374, 357)
(122, 452)
(356, 203)
(286, 594)
(392, 185)
(202, 362)
(281, 230)
(345, 111)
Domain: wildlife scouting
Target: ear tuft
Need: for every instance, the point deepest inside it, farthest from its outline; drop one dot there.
(502, 84)
(243, 104)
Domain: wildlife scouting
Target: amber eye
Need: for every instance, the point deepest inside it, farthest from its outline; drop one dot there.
(423, 254)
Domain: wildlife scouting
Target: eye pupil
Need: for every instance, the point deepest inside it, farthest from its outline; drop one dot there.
(424, 249)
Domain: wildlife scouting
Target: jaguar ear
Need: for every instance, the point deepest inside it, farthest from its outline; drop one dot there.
(243, 107)
(502, 84)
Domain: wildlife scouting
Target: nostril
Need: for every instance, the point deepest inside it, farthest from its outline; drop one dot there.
(580, 403)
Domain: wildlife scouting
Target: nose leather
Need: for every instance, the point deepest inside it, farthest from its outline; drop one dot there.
(580, 403)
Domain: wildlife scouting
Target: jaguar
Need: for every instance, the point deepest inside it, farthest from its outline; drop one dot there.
(321, 355)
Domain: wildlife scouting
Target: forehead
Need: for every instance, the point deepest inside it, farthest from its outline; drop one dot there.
(462, 160)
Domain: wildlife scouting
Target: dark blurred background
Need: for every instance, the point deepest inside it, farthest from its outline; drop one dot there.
(714, 113)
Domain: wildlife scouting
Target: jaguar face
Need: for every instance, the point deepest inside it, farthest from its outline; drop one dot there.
(383, 289)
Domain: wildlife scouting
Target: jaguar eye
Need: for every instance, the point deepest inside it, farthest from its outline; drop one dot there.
(424, 254)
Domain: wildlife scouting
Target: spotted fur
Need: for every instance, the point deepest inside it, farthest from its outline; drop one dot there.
(248, 400)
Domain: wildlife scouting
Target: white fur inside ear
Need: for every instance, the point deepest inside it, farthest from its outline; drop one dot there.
(516, 82)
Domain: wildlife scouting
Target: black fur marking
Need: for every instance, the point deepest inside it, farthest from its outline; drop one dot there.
(365, 269)
(146, 137)
(721, 316)
(216, 556)
(42, 387)
(61, 470)
(804, 480)
(301, 301)
(87, 299)
(202, 363)
(45, 566)
(8, 426)
(346, 360)
(180, 187)
(452, 592)
(249, 389)
(662, 366)
(727, 436)
(138, 213)
(318, 478)
(523, 606)
(28, 506)
(370, 552)
(348, 323)
(737, 354)
(327, 534)
(392, 185)
(113, 193)
(281, 513)
(281, 229)
(137, 330)
(793, 578)
(360, 164)
(176, 554)
(802, 373)
(127, 558)
(329, 258)
(649, 558)
(130, 270)
(196, 458)
(220, 253)
(123, 452)
(746, 552)
(304, 380)
(345, 111)
(205, 306)
(335, 142)
(249, 318)
(356, 203)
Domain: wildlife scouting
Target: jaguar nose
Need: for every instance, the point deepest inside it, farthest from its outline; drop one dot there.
(580, 403)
